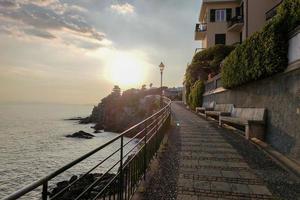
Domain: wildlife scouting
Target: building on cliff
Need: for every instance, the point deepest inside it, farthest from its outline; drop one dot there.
(232, 21)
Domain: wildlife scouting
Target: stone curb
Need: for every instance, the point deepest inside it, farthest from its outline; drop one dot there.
(278, 157)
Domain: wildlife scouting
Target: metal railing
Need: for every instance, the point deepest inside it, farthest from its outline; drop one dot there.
(273, 11)
(148, 135)
(213, 84)
(235, 20)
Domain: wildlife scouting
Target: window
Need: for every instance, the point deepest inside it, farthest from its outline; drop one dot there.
(221, 15)
(220, 39)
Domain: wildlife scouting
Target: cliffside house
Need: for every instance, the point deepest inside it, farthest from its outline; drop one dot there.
(232, 21)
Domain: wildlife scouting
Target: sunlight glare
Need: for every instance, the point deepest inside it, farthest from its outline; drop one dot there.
(125, 70)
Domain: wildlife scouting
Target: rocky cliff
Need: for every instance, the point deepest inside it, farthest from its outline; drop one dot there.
(117, 112)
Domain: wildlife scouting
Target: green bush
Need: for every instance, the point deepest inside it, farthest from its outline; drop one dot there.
(264, 53)
(204, 63)
(195, 96)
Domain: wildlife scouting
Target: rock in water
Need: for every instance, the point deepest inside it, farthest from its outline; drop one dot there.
(81, 185)
(98, 131)
(81, 134)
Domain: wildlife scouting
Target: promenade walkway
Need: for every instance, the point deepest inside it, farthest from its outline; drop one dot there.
(210, 167)
(202, 161)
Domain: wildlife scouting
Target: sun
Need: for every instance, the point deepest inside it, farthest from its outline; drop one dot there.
(125, 70)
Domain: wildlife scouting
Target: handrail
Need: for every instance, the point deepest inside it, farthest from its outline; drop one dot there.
(163, 115)
(273, 11)
(235, 20)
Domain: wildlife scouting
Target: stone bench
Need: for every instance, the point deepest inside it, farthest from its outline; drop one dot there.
(253, 119)
(206, 106)
(220, 110)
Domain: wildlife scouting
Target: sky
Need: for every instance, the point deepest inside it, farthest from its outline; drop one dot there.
(75, 51)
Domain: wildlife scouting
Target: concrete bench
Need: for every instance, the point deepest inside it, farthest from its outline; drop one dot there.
(220, 110)
(206, 106)
(253, 119)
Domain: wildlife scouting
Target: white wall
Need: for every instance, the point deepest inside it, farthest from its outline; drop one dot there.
(294, 47)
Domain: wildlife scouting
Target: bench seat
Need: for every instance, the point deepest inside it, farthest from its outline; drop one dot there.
(205, 107)
(220, 110)
(253, 119)
(217, 113)
(234, 120)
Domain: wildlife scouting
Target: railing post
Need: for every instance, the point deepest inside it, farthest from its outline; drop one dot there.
(121, 170)
(45, 191)
(145, 149)
(157, 134)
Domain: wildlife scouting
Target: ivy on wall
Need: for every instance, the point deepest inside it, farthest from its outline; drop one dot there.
(195, 96)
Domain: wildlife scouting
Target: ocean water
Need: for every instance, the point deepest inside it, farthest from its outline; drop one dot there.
(33, 144)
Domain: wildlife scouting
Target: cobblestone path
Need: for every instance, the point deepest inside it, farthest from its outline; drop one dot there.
(209, 166)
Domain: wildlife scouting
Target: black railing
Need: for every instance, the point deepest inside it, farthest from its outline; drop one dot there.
(235, 20)
(273, 11)
(202, 27)
(147, 136)
(213, 83)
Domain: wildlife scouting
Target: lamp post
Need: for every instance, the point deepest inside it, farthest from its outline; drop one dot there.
(161, 68)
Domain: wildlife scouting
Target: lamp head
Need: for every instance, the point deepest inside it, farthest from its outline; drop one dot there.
(161, 66)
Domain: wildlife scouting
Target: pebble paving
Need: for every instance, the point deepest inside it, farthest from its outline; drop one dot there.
(214, 165)
(209, 167)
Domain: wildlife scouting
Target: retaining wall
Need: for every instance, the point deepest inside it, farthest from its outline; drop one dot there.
(280, 94)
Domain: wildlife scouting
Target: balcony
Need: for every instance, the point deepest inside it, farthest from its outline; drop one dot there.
(200, 31)
(236, 24)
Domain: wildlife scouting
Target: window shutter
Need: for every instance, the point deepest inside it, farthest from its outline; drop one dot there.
(228, 14)
(212, 15)
(238, 11)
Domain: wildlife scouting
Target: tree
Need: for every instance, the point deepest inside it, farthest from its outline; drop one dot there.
(116, 91)
(204, 63)
(195, 96)
(150, 85)
(144, 87)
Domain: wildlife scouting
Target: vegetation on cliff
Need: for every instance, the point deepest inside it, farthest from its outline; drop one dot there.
(204, 63)
(119, 111)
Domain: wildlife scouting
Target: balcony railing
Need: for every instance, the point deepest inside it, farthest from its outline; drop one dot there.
(235, 20)
(202, 27)
(198, 50)
(213, 84)
(273, 11)
(130, 165)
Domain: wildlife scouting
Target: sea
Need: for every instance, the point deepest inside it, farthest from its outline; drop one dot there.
(33, 144)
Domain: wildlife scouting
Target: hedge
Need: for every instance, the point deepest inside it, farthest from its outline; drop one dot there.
(195, 96)
(204, 62)
(264, 53)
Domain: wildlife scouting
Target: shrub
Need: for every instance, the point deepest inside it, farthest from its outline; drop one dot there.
(264, 53)
(195, 96)
(204, 63)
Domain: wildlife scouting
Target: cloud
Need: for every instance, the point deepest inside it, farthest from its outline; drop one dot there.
(39, 33)
(46, 18)
(8, 4)
(123, 8)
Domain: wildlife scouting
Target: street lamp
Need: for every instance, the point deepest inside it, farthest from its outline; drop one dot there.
(161, 68)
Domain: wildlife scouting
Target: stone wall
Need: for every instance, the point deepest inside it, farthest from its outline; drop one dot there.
(280, 94)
